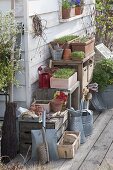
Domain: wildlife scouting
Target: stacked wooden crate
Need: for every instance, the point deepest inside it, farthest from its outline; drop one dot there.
(59, 123)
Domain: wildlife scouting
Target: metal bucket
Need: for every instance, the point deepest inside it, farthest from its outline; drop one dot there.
(87, 120)
(56, 53)
(76, 123)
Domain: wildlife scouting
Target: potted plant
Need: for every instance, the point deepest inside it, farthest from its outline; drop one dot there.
(66, 8)
(72, 13)
(67, 54)
(103, 76)
(85, 44)
(63, 78)
(64, 41)
(77, 55)
(58, 103)
(78, 6)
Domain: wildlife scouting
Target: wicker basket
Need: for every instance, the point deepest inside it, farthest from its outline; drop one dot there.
(68, 144)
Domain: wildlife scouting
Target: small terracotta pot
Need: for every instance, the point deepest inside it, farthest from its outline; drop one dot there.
(56, 105)
(66, 13)
(77, 10)
(67, 54)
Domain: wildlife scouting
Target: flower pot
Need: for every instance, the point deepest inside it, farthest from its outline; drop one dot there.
(56, 105)
(66, 13)
(77, 10)
(67, 54)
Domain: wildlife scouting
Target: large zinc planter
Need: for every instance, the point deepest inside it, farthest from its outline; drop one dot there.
(107, 96)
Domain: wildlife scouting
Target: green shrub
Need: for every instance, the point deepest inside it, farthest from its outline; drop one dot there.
(103, 73)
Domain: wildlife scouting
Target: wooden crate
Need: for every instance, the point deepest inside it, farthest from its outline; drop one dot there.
(44, 103)
(26, 125)
(63, 83)
(86, 47)
(67, 150)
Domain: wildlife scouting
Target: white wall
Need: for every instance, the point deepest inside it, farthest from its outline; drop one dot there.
(5, 5)
(35, 53)
(55, 29)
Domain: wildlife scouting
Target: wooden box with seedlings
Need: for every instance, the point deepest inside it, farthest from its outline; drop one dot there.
(68, 144)
(77, 55)
(85, 44)
(63, 78)
(64, 41)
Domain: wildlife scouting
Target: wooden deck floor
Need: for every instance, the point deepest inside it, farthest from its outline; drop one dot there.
(96, 152)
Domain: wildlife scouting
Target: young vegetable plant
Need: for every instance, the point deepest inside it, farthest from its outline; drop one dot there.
(64, 73)
(65, 39)
(77, 54)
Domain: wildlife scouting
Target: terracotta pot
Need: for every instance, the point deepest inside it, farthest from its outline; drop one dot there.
(56, 105)
(67, 54)
(77, 10)
(64, 45)
(66, 13)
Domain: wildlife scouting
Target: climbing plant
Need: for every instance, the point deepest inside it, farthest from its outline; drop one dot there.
(8, 66)
(104, 22)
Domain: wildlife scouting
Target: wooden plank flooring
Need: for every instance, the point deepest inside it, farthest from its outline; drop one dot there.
(96, 153)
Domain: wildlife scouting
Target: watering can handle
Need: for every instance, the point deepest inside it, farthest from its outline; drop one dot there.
(44, 119)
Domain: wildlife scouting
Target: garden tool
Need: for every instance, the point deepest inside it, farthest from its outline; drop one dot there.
(43, 147)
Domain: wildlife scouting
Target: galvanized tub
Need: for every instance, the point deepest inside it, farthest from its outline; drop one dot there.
(107, 96)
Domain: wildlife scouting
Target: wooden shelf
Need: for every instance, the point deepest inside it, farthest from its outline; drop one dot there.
(72, 62)
(84, 69)
(73, 94)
